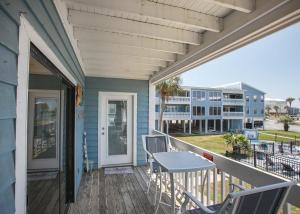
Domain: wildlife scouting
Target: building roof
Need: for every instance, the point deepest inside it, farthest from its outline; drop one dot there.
(274, 99)
(238, 85)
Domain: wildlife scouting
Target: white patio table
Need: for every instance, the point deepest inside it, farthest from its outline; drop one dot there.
(175, 162)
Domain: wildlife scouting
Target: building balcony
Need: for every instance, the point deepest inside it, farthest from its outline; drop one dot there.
(175, 100)
(174, 115)
(233, 102)
(126, 193)
(233, 114)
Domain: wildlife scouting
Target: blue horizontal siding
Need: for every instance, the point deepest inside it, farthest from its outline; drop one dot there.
(93, 86)
(43, 16)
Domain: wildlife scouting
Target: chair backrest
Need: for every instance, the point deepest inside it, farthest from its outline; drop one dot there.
(261, 200)
(155, 143)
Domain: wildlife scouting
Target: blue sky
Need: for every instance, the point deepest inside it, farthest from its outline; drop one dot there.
(271, 64)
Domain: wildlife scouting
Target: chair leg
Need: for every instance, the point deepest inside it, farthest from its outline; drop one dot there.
(150, 179)
(160, 193)
(155, 194)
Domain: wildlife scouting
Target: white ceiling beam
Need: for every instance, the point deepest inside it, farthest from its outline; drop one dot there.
(130, 51)
(119, 64)
(120, 60)
(152, 10)
(113, 74)
(105, 47)
(246, 6)
(113, 24)
(115, 57)
(88, 35)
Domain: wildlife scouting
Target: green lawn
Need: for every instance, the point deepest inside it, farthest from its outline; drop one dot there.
(213, 143)
(279, 133)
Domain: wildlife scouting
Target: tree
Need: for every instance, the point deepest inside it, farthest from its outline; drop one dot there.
(276, 108)
(268, 109)
(286, 120)
(166, 89)
(237, 142)
(290, 100)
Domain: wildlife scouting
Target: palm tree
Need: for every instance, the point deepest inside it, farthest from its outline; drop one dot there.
(167, 89)
(290, 100)
(286, 120)
(276, 108)
(268, 109)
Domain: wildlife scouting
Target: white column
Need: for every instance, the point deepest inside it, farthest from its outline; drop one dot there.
(184, 128)
(215, 124)
(206, 125)
(200, 125)
(190, 126)
(167, 127)
(152, 108)
(221, 125)
(228, 126)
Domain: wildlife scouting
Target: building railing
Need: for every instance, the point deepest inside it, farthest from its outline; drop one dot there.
(176, 99)
(233, 114)
(174, 115)
(217, 182)
(235, 102)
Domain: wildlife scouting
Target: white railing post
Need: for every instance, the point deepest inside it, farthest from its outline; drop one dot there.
(151, 108)
(208, 188)
(222, 186)
(286, 208)
(215, 186)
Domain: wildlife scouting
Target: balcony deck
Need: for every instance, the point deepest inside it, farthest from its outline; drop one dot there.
(121, 193)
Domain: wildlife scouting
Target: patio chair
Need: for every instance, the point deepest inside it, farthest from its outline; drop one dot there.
(260, 200)
(154, 144)
(290, 170)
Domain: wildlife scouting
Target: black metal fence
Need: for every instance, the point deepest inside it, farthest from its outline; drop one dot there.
(281, 159)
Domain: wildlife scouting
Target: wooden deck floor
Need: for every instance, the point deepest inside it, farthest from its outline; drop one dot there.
(121, 194)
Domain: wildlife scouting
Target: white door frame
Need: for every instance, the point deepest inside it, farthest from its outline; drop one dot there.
(27, 35)
(134, 124)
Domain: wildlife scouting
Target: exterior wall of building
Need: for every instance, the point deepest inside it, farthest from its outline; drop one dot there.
(254, 110)
(233, 119)
(43, 16)
(93, 86)
(276, 102)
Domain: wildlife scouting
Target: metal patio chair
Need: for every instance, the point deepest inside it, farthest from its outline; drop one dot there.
(260, 200)
(154, 144)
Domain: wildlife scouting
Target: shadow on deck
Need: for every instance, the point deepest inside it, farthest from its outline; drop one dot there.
(121, 193)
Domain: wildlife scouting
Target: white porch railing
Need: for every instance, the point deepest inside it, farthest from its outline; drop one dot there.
(227, 171)
(174, 115)
(233, 114)
(235, 102)
(175, 100)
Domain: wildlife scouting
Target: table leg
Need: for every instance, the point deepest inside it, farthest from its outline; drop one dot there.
(172, 193)
(186, 181)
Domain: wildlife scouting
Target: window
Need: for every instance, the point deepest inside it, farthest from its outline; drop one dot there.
(198, 110)
(255, 111)
(232, 96)
(262, 111)
(247, 98)
(156, 108)
(248, 110)
(214, 110)
(199, 95)
(261, 98)
(254, 98)
(214, 96)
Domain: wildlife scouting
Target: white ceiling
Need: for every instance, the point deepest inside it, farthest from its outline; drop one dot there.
(137, 39)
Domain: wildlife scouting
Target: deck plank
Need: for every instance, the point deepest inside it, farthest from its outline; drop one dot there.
(114, 194)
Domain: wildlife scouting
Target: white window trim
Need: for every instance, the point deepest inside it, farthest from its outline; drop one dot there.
(134, 132)
(27, 35)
